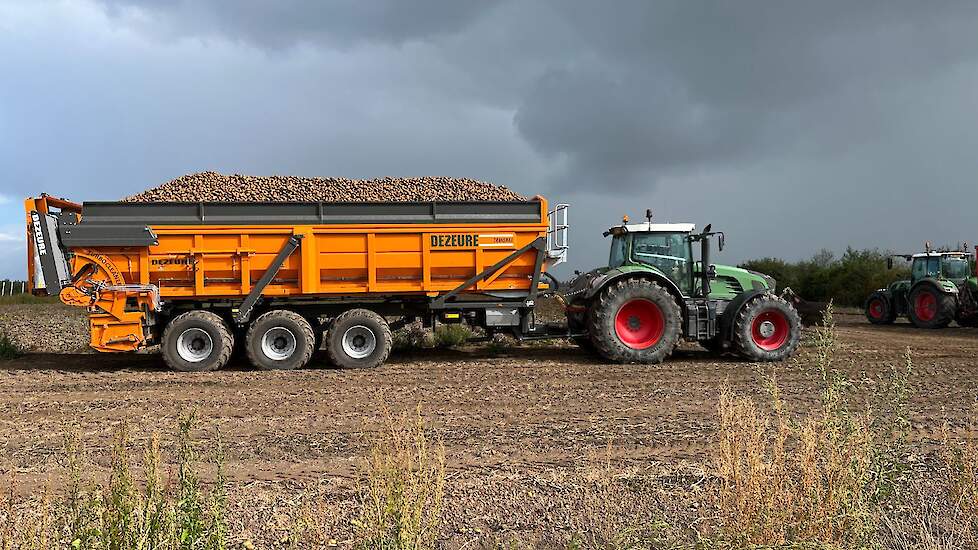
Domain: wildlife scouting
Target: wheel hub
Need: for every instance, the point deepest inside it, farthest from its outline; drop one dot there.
(639, 323)
(278, 343)
(359, 342)
(194, 345)
(766, 329)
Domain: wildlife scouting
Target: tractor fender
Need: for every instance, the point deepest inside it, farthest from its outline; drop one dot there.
(733, 308)
(945, 287)
(600, 282)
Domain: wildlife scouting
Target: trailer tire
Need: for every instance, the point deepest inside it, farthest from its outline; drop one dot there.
(358, 339)
(767, 328)
(280, 340)
(197, 341)
(634, 321)
(879, 309)
(931, 308)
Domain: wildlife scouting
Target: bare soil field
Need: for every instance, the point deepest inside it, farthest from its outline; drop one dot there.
(518, 423)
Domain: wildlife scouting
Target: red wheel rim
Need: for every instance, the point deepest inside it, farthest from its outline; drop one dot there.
(639, 324)
(876, 309)
(925, 306)
(770, 330)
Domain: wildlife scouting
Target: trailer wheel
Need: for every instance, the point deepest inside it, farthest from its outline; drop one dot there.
(879, 310)
(280, 340)
(197, 341)
(635, 321)
(931, 308)
(358, 339)
(767, 328)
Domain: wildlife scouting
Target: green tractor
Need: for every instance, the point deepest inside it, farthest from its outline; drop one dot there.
(653, 293)
(942, 288)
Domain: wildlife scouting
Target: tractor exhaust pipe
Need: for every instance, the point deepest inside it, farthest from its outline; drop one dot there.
(705, 261)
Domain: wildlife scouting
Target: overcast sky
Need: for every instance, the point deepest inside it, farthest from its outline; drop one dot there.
(791, 125)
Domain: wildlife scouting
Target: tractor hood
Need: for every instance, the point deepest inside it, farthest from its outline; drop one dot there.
(731, 281)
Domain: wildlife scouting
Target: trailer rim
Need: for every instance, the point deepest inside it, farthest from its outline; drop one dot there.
(278, 343)
(359, 342)
(194, 345)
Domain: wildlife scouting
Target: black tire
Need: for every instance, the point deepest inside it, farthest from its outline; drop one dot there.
(879, 310)
(756, 318)
(930, 308)
(647, 332)
(197, 341)
(370, 325)
(280, 340)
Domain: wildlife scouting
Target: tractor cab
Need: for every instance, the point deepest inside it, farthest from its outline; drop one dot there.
(953, 266)
(668, 248)
(664, 246)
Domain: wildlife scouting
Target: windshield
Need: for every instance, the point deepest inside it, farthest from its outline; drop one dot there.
(617, 252)
(956, 268)
(667, 251)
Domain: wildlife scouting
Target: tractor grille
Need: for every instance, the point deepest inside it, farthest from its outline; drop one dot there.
(732, 284)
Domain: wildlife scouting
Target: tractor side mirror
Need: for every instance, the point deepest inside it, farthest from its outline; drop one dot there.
(889, 263)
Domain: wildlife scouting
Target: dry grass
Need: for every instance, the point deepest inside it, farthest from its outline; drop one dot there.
(816, 479)
(121, 513)
(402, 488)
(612, 510)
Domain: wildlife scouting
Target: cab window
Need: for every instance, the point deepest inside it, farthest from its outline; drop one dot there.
(956, 268)
(926, 267)
(669, 252)
(618, 249)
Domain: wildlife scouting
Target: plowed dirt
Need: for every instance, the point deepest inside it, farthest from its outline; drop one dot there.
(514, 421)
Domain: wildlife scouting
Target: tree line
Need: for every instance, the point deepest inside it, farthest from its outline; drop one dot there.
(847, 280)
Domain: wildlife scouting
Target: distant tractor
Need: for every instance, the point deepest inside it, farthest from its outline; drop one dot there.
(942, 288)
(653, 293)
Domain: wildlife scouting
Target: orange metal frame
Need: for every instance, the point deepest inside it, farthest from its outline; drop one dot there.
(200, 262)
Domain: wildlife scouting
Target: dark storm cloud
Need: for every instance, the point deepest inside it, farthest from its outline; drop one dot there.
(284, 23)
(788, 124)
(637, 90)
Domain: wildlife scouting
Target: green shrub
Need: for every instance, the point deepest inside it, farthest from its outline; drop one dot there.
(450, 336)
(846, 281)
(8, 348)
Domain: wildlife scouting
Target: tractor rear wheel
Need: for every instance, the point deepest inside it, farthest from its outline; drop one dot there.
(358, 339)
(197, 341)
(634, 321)
(280, 340)
(931, 308)
(879, 310)
(767, 328)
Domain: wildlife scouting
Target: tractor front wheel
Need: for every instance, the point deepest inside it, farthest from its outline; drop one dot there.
(879, 310)
(635, 321)
(767, 328)
(931, 308)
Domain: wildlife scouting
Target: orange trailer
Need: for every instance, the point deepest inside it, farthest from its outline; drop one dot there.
(281, 277)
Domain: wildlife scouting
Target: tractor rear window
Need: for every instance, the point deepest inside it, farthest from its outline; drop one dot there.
(957, 268)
